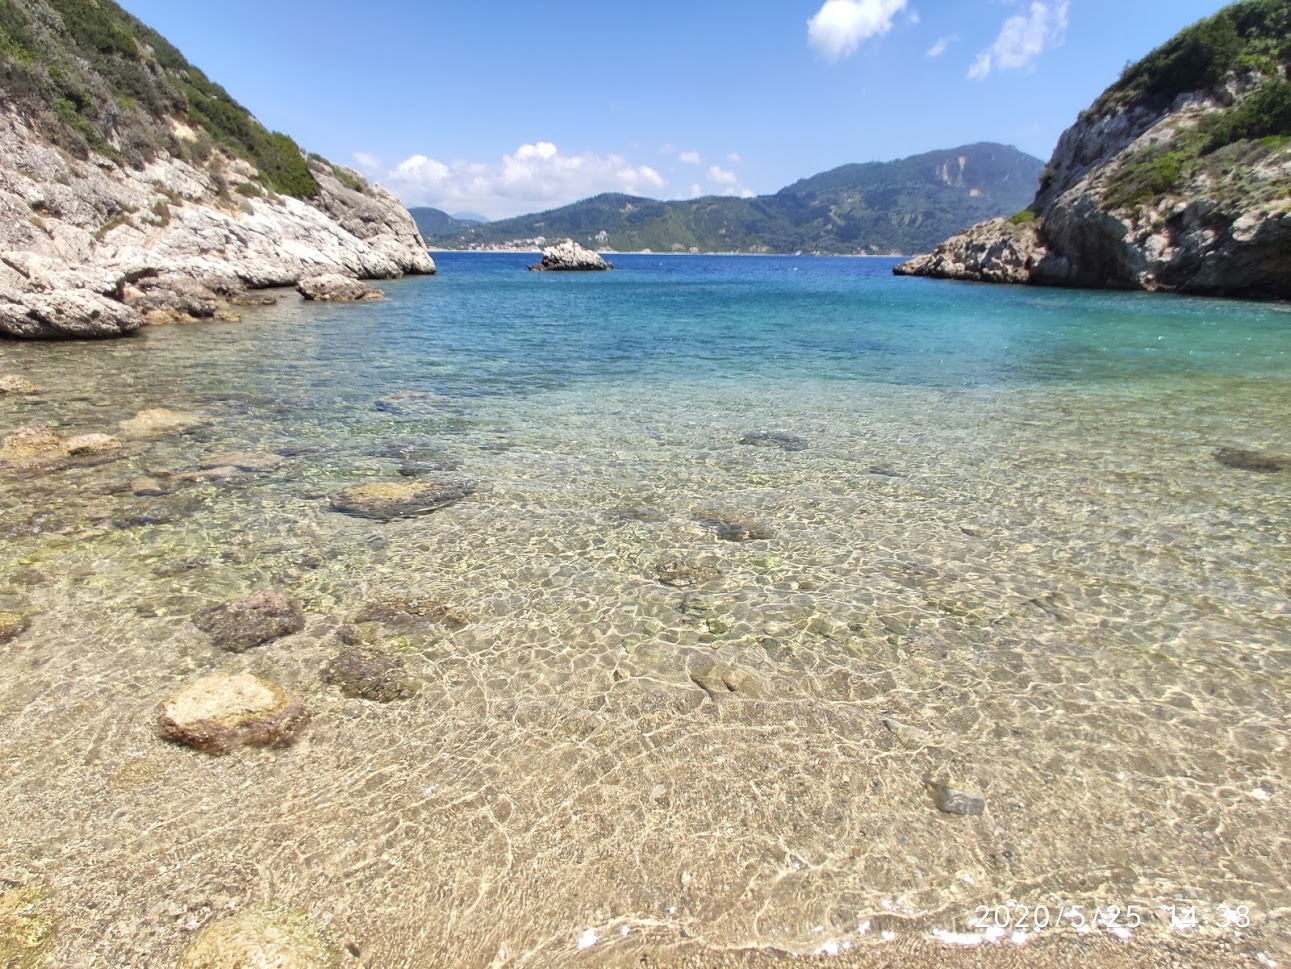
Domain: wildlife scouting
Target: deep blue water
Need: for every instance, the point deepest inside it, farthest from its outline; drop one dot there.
(487, 321)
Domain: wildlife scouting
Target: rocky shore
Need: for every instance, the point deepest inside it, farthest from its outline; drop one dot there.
(91, 248)
(1176, 179)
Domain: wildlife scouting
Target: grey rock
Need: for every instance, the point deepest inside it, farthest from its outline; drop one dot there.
(1245, 460)
(336, 288)
(257, 619)
(955, 800)
(569, 256)
(777, 439)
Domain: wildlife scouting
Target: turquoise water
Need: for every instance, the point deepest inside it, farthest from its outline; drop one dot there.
(667, 722)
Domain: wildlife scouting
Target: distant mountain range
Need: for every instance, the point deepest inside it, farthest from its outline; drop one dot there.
(903, 206)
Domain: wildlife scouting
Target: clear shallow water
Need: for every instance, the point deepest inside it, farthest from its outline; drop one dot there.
(1008, 532)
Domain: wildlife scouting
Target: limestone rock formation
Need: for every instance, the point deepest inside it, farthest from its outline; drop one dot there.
(569, 256)
(112, 215)
(221, 712)
(336, 288)
(1177, 178)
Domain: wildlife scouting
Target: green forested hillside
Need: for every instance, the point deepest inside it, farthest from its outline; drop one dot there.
(93, 79)
(880, 207)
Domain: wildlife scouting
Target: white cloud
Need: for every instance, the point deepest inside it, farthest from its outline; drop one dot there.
(535, 177)
(721, 176)
(690, 158)
(939, 48)
(840, 26)
(1023, 38)
(696, 190)
(734, 158)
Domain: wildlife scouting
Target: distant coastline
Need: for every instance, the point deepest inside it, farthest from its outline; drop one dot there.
(530, 250)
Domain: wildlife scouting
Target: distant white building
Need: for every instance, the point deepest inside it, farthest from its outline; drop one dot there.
(602, 237)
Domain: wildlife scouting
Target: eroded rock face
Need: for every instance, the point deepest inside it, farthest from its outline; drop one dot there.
(335, 288)
(223, 711)
(253, 621)
(569, 256)
(1130, 202)
(91, 249)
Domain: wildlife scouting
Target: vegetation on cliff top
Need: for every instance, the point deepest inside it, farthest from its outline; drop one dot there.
(1249, 42)
(92, 78)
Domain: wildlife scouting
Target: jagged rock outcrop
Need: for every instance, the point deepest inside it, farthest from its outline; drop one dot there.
(569, 256)
(1178, 178)
(111, 217)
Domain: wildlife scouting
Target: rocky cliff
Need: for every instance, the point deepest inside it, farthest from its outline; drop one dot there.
(134, 190)
(1177, 178)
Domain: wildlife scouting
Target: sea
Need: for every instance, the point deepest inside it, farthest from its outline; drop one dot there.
(769, 566)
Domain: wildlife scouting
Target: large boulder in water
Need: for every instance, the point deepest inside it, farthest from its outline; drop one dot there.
(569, 256)
(221, 712)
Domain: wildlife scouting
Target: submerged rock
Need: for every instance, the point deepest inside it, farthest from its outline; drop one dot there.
(32, 444)
(569, 256)
(12, 383)
(28, 924)
(732, 530)
(221, 712)
(242, 461)
(683, 575)
(260, 617)
(411, 620)
(335, 288)
(388, 500)
(91, 444)
(1251, 460)
(955, 800)
(160, 422)
(12, 624)
(367, 673)
(785, 442)
(260, 939)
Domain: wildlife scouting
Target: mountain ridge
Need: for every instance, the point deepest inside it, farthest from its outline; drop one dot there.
(867, 208)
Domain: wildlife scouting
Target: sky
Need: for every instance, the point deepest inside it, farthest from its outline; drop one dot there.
(504, 107)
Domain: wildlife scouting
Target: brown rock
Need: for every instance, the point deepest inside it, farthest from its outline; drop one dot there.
(221, 712)
(91, 444)
(387, 500)
(12, 624)
(260, 617)
(366, 673)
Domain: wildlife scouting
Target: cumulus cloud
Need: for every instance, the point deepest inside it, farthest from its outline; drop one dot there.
(939, 48)
(534, 177)
(734, 158)
(1023, 38)
(690, 158)
(721, 176)
(840, 26)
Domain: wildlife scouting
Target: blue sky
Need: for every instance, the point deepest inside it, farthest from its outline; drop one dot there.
(510, 106)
